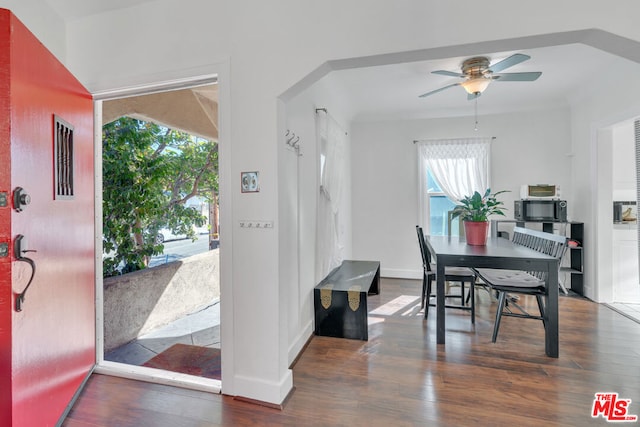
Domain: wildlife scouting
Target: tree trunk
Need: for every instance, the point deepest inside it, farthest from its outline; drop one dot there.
(213, 215)
(138, 239)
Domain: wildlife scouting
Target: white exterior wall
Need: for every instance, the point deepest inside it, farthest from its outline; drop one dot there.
(263, 48)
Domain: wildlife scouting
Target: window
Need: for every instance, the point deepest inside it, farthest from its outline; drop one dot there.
(439, 205)
(449, 169)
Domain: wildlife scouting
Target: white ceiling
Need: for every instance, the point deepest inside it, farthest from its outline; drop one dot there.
(73, 9)
(391, 91)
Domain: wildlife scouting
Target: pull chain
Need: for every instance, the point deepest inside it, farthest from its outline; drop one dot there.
(476, 112)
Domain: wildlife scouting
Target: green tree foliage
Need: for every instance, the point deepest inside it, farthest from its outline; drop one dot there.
(149, 173)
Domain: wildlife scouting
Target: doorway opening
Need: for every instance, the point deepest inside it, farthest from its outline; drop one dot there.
(159, 306)
(619, 246)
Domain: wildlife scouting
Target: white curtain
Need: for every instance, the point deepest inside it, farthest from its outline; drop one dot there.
(331, 141)
(459, 167)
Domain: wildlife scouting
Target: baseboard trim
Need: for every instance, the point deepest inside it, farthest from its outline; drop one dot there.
(395, 273)
(628, 316)
(279, 406)
(260, 390)
(301, 341)
(306, 344)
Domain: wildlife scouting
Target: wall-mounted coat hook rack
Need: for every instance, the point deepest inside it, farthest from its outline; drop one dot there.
(293, 141)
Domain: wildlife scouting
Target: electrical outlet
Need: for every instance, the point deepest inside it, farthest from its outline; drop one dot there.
(249, 182)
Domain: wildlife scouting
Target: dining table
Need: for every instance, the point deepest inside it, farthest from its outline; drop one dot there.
(498, 253)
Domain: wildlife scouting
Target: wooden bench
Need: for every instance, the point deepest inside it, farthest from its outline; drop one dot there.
(340, 300)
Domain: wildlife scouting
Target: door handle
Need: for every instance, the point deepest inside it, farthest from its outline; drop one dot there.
(20, 199)
(19, 248)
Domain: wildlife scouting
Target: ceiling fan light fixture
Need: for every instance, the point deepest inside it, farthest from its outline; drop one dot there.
(476, 84)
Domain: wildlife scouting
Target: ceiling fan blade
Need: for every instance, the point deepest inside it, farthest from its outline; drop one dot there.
(517, 77)
(438, 90)
(448, 73)
(508, 62)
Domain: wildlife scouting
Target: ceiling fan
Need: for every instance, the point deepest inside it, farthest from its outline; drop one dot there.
(478, 73)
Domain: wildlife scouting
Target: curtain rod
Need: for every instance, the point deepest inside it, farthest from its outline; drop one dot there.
(450, 139)
(324, 110)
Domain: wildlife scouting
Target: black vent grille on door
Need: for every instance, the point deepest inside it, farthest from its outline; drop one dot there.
(63, 151)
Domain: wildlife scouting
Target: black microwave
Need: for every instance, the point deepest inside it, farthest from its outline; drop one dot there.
(540, 210)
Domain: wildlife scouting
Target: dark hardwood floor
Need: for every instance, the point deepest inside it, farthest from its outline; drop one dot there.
(400, 377)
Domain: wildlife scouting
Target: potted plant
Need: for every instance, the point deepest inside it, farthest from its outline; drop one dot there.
(474, 210)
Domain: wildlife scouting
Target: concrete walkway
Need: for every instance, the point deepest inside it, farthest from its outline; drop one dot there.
(201, 328)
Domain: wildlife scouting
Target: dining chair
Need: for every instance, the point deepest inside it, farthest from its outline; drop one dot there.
(509, 282)
(452, 274)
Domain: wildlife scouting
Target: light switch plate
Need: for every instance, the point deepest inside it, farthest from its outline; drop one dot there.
(256, 224)
(249, 182)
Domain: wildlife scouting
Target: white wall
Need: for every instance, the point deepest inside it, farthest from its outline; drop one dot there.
(626, 282)
(265, 59)
(298, 202)
(43, 22)
(267, 47)
(624, 161)
(529, 147)
(613, 99)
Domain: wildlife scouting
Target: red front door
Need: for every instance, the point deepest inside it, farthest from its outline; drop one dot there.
(47, 335)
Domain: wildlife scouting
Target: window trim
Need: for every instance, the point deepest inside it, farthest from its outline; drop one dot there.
(423, 214)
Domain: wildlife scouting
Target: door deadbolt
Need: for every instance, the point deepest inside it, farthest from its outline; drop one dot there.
(20, 199)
